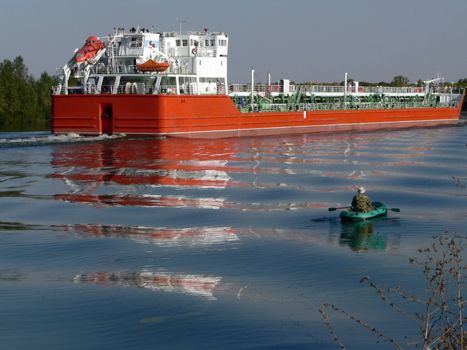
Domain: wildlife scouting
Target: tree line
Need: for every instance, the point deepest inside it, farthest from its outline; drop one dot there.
(397, 81)
(25, 102)
(400, 80)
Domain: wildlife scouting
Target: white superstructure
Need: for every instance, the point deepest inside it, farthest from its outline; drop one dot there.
(197, 64)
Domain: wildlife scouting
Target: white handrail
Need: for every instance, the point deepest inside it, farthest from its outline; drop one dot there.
(242, 88)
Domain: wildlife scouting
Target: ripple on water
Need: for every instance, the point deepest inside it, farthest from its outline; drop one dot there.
(142, 242)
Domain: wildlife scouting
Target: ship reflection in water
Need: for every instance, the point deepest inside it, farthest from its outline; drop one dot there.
(139, 167)
(163, 237)
(146, 200)
(195, 285)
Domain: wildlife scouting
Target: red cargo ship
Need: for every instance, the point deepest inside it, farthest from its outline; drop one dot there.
(152, 83)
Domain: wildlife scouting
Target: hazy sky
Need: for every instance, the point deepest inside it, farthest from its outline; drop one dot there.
(319, 40)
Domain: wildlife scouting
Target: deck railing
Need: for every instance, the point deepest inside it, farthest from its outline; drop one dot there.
(300, 107)
(265, 88)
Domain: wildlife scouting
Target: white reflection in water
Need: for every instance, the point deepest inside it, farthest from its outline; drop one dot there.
(144, 200)
(160, 236)
(196, 285)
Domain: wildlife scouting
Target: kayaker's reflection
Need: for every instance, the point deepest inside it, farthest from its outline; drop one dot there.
(359, 236)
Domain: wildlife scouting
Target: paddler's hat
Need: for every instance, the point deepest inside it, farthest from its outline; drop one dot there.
(361, 190)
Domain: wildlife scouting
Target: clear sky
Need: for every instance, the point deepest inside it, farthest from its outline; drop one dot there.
(302, 40)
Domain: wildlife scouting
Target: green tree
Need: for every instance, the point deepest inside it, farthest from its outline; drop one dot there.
(43, 91)
(24, 101)
(400, 80)
(462, 82)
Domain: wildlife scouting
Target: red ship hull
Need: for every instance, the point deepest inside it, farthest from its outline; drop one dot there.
(217, 116)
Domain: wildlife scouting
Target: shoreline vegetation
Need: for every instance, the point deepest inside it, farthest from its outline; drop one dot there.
(25, 103)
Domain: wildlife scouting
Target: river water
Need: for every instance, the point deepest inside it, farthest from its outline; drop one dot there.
(164, 243)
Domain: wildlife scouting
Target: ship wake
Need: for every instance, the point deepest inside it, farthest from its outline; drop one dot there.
(40, 139)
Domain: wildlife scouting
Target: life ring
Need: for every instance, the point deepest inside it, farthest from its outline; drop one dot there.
(194, 51)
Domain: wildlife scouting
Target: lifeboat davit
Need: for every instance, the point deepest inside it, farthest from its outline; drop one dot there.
(153, 66)
(90, 49)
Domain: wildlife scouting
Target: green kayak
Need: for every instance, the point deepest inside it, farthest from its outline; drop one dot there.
(350, 215)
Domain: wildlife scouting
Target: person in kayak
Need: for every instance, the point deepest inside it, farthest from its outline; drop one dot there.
(361, 202)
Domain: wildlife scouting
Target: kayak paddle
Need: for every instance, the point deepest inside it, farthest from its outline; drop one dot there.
(338, 208)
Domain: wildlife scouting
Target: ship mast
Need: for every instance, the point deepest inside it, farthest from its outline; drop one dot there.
(252, 88)
(345, 90)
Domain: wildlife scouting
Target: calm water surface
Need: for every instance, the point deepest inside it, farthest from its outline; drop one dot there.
(215, 244)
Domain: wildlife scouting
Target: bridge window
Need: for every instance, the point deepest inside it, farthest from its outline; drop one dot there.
(185, 42)
(136, 42)
(177, 42)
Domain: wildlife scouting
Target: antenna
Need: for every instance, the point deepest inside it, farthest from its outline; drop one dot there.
(180, 26)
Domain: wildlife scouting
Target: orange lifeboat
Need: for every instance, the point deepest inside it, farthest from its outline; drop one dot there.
(153, 66)
(89, 50)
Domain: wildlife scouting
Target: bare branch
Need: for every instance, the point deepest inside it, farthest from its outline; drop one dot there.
(373, 330)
